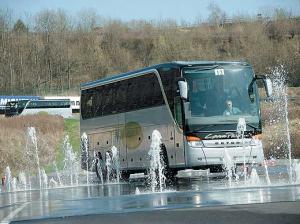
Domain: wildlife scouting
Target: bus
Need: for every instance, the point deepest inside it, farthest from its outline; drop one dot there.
(60, 107)
(188, 102)
(5, 99)
(75, 101)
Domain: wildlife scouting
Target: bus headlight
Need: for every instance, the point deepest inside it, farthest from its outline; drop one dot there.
(194, 141)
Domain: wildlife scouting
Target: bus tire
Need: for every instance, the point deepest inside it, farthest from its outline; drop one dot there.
(125, 175)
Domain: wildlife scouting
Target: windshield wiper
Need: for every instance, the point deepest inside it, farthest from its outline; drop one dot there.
(252, 126)
(204, 127)
(201, 69)
(235, 122)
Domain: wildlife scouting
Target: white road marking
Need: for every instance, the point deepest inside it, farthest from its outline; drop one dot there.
(11, 215)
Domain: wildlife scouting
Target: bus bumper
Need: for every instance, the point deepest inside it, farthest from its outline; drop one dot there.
(205, 156)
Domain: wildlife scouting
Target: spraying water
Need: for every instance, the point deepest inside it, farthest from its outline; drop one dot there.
(14, 184)
(254, 178)
(85, 153)
(240, 129)
(8, 178)
(157, 177)
(22, 181)
(137, 191)
(281, 105)
(297, 173)
(98, 162)
(267, 173)
(116, 162)
(44, 179)
(57, 173)
(112, 164)
(53, 183)
(31, 132)
(108, 163)
(229, 166)
(70, 162)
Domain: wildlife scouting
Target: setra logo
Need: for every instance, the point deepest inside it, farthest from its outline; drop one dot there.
(132, 135)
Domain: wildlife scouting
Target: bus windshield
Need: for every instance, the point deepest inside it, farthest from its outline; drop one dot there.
(219, 95)
(15, 107)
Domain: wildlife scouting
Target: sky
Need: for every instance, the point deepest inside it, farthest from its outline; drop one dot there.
(126, 10)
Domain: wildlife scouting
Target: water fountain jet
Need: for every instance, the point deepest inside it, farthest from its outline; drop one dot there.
(157, 167)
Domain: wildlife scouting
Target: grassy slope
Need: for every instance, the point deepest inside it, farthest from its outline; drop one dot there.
(71, 128)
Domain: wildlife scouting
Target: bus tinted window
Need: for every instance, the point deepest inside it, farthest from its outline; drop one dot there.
(143, 92)
(48, 104)
(168, 77)
(123, 96)
(87, 101)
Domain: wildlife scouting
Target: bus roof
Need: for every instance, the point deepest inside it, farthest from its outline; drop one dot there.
(178, 64)
(50, 100)
(41, 100)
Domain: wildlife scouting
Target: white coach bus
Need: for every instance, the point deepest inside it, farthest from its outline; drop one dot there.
(194, 105)
(74, 100)
(60, 107)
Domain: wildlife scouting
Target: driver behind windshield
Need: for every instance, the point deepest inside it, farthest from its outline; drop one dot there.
(230, 109)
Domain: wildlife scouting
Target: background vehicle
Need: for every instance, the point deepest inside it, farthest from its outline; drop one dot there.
(25, 107)
(5, 99)
(74, 100)
(185, 102)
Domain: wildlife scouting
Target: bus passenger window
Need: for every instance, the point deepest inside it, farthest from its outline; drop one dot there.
(121, 96)
(87, 106)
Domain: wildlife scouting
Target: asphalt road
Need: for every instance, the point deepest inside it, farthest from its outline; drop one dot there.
(187, 201)
(266, 213)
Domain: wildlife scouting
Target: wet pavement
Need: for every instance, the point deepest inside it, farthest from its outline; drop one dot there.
(134, 199)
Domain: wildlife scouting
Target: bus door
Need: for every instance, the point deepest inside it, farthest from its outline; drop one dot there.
(178, 134)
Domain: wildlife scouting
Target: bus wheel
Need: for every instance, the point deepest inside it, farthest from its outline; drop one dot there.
(125, 175)
(100, 167)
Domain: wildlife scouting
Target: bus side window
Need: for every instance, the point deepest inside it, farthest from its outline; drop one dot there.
(87, 103)
(143, 92)
(168, 77)
(121, 96)
(108, 99)
(147, 93)
(132, 94)
(157, 93)
(45, 104)
(98, 101)
(32, 104)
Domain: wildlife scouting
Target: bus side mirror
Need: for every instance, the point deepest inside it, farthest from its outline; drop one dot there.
(183, 89)
(267, 83)
(268, 86)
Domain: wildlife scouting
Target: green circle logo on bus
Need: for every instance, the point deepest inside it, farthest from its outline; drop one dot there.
(132, 135)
